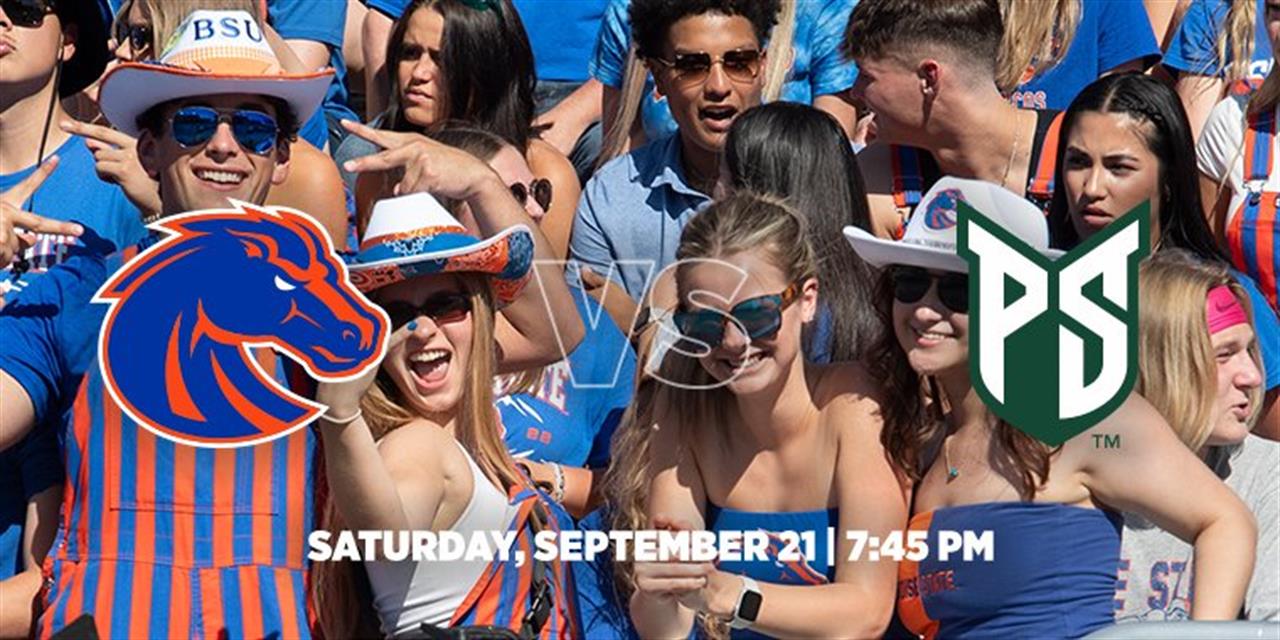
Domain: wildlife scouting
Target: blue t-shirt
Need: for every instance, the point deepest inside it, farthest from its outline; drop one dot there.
(26, 469)
(1110, 33)
(322, 21)
(631, 214)
(819, 67)
(572, 413)
(1193, 48)
(562, 33)
(73, 192)
(50, 332)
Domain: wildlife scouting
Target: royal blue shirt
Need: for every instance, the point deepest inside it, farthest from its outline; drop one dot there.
(26, 469)
(572, 412)
(73, 192)
(628, 223)
(1194, 46)
(1266, 328)
(322, 21)
(819, 68)
(562, 33)
(1110, 33)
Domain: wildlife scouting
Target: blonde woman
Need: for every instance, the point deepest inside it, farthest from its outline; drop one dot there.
(417, 445)
(1052, 50)
(1199, 367)
(1220, 47)
(743, 434)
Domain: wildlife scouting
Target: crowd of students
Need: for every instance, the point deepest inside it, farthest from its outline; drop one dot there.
(648, 264)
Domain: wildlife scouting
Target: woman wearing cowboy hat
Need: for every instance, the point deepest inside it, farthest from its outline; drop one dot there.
(417, 445)
(972, 471)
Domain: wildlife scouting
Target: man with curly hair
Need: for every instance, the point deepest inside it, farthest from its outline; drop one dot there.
(707, 58)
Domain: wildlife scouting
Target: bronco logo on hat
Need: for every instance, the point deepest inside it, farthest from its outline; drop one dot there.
(1054, 344)
(175, 346)
(941, 211)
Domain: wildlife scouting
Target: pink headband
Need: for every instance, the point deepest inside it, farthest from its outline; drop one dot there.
(1223, 310)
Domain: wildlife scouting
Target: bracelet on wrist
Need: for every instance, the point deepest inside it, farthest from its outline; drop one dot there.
(558, 494)
(341, 421)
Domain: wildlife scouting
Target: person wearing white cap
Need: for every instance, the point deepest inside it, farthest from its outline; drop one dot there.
(417, 445)
(972, 471)
(170, 539)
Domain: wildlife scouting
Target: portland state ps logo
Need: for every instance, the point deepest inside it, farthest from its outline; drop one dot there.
(1055, 340)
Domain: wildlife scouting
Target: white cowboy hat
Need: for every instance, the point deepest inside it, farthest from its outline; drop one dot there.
(413, 235)
(212, 53)
(930, 237)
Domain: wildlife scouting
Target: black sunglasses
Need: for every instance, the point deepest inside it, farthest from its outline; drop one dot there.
(443, 308)
(540, 189)
(910, 284)
(139, 36)
(26, 13)
(741, 65)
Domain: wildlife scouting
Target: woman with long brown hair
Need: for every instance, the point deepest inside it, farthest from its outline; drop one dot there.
(459, 60)
(417, 444)
(972, 471)
(739, 433)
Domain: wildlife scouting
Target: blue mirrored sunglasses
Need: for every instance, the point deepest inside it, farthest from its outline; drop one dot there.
(254, 130)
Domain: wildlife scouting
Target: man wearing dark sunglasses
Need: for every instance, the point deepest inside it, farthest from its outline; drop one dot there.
(706, 59)
(210, 129)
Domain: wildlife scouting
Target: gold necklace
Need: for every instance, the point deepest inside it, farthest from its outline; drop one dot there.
(1017, 138)
(952, 472)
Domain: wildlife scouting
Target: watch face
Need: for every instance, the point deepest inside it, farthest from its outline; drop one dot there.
(749, 608)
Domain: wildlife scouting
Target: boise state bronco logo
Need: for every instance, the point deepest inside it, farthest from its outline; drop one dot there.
(175, 346)
(941, 213)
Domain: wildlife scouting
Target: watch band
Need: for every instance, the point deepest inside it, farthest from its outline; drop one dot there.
(748, 607)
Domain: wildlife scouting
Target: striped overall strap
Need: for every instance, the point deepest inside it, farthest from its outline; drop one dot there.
(1040, 188)
(1251, 234)
(508, 591)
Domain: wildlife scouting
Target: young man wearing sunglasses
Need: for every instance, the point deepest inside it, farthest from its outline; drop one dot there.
(49, 50)
(706, 59)
(160, 539)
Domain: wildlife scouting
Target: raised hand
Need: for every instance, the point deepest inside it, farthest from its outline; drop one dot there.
(428, 166)
(18, 227)
(343, 398)
(115, 157)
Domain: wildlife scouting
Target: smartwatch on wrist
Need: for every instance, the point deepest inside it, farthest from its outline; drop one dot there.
(749, 601)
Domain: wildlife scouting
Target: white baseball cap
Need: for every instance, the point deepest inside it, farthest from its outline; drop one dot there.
(930, 237)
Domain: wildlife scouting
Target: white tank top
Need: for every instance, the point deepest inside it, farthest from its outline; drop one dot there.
(408, 593)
